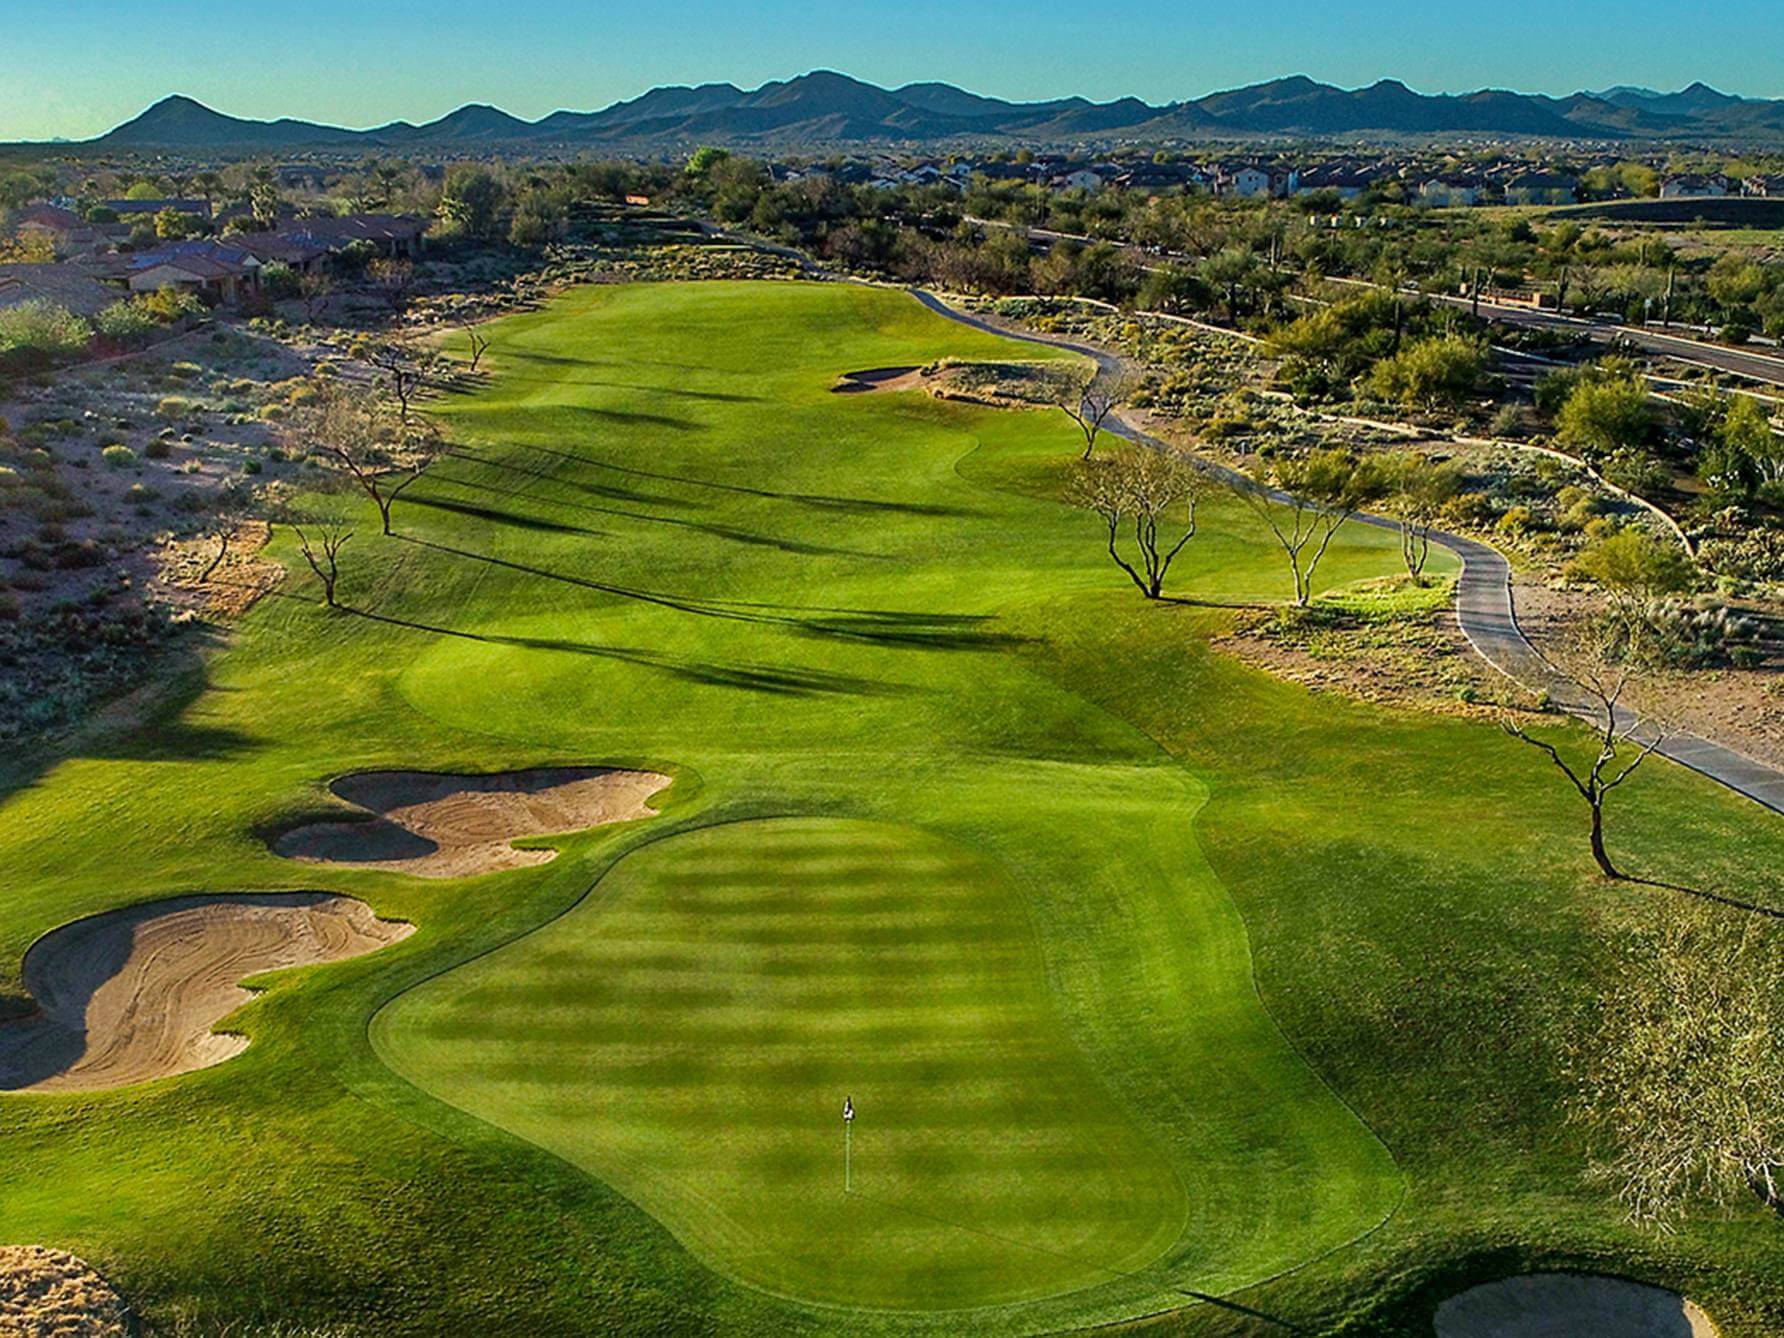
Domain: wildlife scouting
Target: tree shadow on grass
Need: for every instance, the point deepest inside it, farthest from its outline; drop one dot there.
(1702, 894)
(817, 501)
(609, 492)
(560, 360)
(731, 533)
(776, 680)
(925, 631)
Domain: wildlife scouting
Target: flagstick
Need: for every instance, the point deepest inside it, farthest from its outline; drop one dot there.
(848, 1154)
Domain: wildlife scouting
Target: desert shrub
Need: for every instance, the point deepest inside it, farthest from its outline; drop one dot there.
(1517, 521)
(1635, 471)
(185, 371)
(1757, 555)
(36, 334)
(175, 406)
(168, 305)
(1603, 414)
(124, 322)
(118, 456)
(279, 281)
(1431, 372)
(158, 449)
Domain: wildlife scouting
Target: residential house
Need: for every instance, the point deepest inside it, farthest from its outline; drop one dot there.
(398, 236)
(1449, 193)
(65, 285)
(294, 250)
(66, 231)
(1246, 183)
(1542, 188)
(214, 270)
(1340, 179)
(1694, 188)
(1083, 178)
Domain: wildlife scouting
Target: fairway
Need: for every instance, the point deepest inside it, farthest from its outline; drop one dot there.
(1075, 1101)
(1122, 950)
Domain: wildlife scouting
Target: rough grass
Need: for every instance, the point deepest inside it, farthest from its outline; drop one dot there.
(664, 544)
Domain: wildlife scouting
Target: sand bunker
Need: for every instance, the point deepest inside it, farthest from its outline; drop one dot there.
(455, 826)
(879, 378)
(1564, 1305)
(51, 1294)
(133, 994)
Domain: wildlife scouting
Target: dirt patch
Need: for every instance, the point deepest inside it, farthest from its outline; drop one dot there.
(50, 1294)
(438, 826)
(1561, 1305)
(1742, 709)
(133, 994)
(219, 577)
(878, 378)
(1416, 657)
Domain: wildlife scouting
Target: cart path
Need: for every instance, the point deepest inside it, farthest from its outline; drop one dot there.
(1484, 605)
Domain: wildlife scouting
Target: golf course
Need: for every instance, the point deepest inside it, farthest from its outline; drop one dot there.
(1160, 989)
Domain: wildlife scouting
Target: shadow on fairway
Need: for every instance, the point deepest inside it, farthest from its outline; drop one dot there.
(558, 360)
(1714, 898)
(819, 501)
(925, 631)
(610, 492)
(777, 680)
(499, 517)
(716, 530)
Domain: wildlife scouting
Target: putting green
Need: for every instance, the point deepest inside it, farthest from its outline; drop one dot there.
(690, 1033)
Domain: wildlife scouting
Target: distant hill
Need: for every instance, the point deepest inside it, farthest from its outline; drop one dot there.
(826, 107)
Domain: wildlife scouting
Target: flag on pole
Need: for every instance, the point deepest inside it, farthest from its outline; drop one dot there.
(848, 1110)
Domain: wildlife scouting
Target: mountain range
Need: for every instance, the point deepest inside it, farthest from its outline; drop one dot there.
(827, 108)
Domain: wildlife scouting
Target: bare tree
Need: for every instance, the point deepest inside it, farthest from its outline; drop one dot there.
(393, 278)
(1680, 1073)
(1621, 743)
(479, 345)
(1305, 500)
(321, 543)
(407, 370)
(1416, 489)
(1091, 405)
(314, 288)
(227, 509)
(383, 453)
(1140, 487)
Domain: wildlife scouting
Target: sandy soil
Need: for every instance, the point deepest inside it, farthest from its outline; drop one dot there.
(438, 826)
(1565, 1305)
(219, 582)
(50, 1294)
(1742, 709)
(133, 994)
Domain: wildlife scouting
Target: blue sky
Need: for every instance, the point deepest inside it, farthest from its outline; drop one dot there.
(77, 67)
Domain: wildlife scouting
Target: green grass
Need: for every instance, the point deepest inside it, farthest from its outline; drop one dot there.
(685, 1035)
(1150, 976)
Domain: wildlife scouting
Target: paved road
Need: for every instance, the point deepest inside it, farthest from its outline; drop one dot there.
(1752, 365)
(1484, 605)
(1755, 366)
